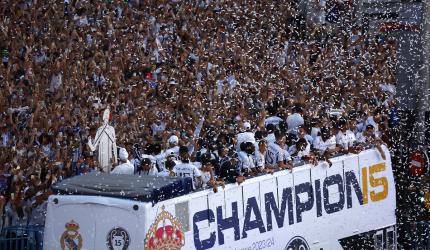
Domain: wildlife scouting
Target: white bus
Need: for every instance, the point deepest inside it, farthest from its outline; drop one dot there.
(350, 205)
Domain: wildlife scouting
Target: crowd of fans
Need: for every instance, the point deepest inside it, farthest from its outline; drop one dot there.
(223, 90)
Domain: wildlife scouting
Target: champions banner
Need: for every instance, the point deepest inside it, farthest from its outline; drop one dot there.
(317, 207)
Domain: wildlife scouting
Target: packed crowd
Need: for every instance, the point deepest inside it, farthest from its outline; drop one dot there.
(216, 90)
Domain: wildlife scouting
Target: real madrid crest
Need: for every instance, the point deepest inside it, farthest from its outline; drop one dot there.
(71, 239)
(118, 239)
(165, 233)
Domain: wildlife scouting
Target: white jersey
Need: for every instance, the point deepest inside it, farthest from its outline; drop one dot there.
(172, 151)
(298, 157)
(187, 170)
(164, 173)
(161, 158)
(275, 154)
(206, 177)
(346, 139)
(304, 152)
(322, 146)
(246, 162)
(270, 138)
(136, 162)
(259, 159)
(361, 138)
(125, 168)
(152, 172)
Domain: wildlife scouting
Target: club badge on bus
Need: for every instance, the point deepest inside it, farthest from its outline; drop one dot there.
(71, 239)
(165, 233)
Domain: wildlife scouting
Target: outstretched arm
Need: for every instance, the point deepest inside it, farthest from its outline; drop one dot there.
(115, 156)
(93, 145)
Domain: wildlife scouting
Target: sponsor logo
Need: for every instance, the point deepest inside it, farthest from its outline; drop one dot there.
(118, 239)
(71, 239)
(297, 243)
(374, 188)
(165, 233)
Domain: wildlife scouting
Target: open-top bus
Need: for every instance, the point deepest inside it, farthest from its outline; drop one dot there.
(350, 205)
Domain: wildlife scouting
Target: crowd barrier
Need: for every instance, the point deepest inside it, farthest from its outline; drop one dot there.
(22, 238)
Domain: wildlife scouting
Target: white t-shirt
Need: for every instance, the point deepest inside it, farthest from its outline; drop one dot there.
(187, 170)
(125, 168)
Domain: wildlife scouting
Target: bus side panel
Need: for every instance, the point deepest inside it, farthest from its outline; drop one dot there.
(87, 222)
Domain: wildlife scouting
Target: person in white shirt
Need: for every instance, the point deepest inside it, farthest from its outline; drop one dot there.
(125, 167)
(208, 176)
(260, 158)
(300, 151)
(246, 165)
(345, 138)
(276, 156)
(325, 142)
(187, 169)
(270, 138)
(147, 168)
(173, 146)
(246, 136)
(295, 120)
(171, 151)
(168, 171)
(301, 133)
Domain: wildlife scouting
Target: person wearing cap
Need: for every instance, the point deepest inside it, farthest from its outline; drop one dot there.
(325, 143)
(186, 169)
(125, 167)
